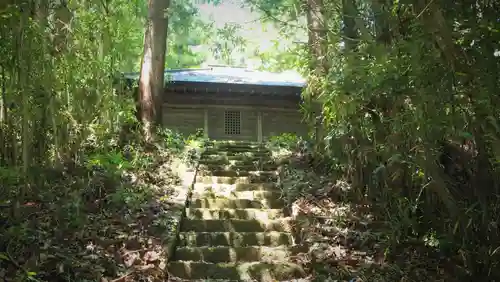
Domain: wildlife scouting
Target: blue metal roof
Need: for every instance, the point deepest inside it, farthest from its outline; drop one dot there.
(231, 75)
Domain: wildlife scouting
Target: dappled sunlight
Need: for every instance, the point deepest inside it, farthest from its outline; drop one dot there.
(235, 239)
(113, 216)
(346, 238)
(279, 154)
(235, 254)
(368, 140)
(234, 225)
(249, 271)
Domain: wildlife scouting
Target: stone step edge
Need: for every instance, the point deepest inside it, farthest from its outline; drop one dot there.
(191, 209)
(251, 213)
(291, 249)
(239, 254)
(228, 203)
(213, 234)
(235, 239)
(237, 187)
(241, 270)
(239, 195)
(284, 224)
(214, 179)
(238, 167)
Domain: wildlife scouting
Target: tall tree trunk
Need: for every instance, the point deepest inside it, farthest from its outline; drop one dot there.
(151, 80)
(3, 118)
(317, 40)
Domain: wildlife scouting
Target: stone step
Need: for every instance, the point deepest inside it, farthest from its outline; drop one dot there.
(258, 175)
(250, 271)
(249, 214)
(243, 239)
(236, 225)
(241, 187)
(218, 179)
(237, 254)
(210, 153)
(237, 163)
(269, 166)
(234, 142)
(216, 158)
(237, 147)
(227, 203)
(249, 195)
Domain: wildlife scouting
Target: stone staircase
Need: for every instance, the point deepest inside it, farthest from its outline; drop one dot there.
(236, 228)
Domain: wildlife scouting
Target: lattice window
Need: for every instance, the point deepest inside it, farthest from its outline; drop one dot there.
(232, 123)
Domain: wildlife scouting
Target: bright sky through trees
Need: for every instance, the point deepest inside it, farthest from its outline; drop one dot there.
(257, 34)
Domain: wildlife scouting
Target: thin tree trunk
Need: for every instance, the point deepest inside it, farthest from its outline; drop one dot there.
(151, 80)
(318, 64)
(317, 36)
(4, 136)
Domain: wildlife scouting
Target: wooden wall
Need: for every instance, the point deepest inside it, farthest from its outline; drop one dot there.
(275, 123)
(239, 99)
(188, 112)
(184, 119)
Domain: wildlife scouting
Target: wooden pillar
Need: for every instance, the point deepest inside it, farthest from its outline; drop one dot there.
(259, 126)
(205, 120)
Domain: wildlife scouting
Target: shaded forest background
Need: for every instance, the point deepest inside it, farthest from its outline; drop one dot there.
(408, 95)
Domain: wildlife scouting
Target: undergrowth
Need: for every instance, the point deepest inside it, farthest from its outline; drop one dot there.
(103, 217)
(390, 238)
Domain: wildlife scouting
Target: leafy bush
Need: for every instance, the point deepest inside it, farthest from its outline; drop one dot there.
(285, 140)
(109, 183)
(171, 139)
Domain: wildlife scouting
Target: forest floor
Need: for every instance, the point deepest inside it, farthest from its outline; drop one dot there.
(347, 242)
(347, 245)
(85, 224)
(93, 225)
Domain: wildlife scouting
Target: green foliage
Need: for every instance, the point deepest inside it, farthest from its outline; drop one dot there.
(186, 30)
(226, 42)
(285, 140)
(111, 187)
(401, 78)
(111, 161)
(172, 139)
(280, 59)
(74, 172)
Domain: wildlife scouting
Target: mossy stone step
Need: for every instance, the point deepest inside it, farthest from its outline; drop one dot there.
(257, 175)
(212, 152)
(214, 187)
(249, 214)
(237, 254)
(250, 195)
(234, 142)
(217, 179)
(236, 225)
(239, 167)
(237, 147)
(227, 203)
(224, 158)
(243, 239)
(250, 271)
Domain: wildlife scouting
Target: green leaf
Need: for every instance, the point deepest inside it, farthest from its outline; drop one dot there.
(4, 256)
(466, 135)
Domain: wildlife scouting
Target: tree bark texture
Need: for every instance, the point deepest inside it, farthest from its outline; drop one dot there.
(151, 81)
(317, 41)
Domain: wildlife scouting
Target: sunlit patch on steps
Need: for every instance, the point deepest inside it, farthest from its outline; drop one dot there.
(236, 227)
